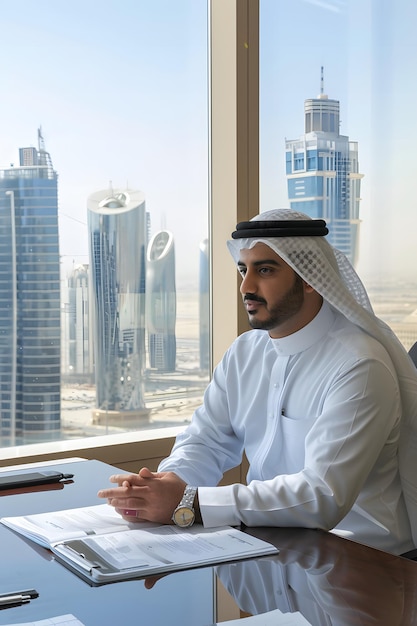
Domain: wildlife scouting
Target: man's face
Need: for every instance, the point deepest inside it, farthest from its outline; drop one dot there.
(273, 294)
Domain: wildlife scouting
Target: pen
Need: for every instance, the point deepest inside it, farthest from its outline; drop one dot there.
(14, 599)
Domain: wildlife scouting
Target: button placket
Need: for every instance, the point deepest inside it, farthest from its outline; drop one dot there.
(275, 408)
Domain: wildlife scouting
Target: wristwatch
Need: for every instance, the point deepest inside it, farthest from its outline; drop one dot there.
(184, 514)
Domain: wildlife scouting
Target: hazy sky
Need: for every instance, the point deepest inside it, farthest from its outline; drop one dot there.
(368, 49)
(120, 90)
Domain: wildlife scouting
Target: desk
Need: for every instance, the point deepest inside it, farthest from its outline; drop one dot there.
(328, 579)
(186, 598)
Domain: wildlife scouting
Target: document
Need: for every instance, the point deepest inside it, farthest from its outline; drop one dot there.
(98, 545)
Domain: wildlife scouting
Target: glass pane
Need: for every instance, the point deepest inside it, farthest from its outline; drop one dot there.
(103, 217)
(338, 133)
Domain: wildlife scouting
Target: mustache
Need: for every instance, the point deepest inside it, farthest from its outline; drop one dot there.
(253, 297)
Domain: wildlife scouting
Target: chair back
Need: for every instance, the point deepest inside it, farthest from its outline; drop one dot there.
(408, 456)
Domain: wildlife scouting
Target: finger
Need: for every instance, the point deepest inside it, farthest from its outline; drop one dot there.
(133, 504)
(121, 478)
(146, 473)
(130, 515)
(109, 493)
(123, 489)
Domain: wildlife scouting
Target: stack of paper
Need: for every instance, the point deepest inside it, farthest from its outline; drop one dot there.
(100, 546)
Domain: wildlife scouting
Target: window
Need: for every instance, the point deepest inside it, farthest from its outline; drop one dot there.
(233, 132)
(322, 59)
(104, 255)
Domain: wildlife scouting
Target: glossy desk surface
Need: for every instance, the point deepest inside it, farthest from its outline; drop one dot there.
(328, 579)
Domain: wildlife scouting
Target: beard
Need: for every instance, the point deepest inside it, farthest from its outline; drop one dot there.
(290, 303)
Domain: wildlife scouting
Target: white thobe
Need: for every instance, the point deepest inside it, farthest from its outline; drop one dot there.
(317, 414)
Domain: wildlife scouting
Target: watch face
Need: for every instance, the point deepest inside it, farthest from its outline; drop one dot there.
(184, 516)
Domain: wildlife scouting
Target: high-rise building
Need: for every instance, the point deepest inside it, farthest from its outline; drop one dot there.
(30, 326)
(79, 361)
(323, 173)
(117, 228)
(161, 301)
(204, 306)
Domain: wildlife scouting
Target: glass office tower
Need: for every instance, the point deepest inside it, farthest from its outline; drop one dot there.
(204, 306)
(79, 366)
(117, 227)
(323, 174)
(30, 327)
(161, 301)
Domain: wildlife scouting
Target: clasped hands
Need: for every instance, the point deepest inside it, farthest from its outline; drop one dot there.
(146, 496)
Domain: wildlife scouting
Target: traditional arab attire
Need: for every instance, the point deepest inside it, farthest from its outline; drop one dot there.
(300, 242)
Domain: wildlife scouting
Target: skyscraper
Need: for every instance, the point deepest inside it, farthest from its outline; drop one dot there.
(117, 227)
(79, 334)
(161, 301)
(323, 173)
(30, 341)
(204, 306)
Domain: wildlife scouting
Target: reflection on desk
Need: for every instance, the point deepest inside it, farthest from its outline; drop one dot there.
(36, 488)
(327, 579)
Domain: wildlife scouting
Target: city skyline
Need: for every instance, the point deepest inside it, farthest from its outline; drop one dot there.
(136, 112)
(121, 96)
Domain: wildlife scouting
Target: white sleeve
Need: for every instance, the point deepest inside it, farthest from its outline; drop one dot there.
(208, 447)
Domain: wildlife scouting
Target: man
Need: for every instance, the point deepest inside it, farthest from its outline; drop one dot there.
(314, 395)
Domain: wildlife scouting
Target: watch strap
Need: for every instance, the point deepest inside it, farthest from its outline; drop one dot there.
(188, 497)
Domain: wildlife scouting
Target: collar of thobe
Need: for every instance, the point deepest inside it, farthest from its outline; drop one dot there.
(308, 335)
